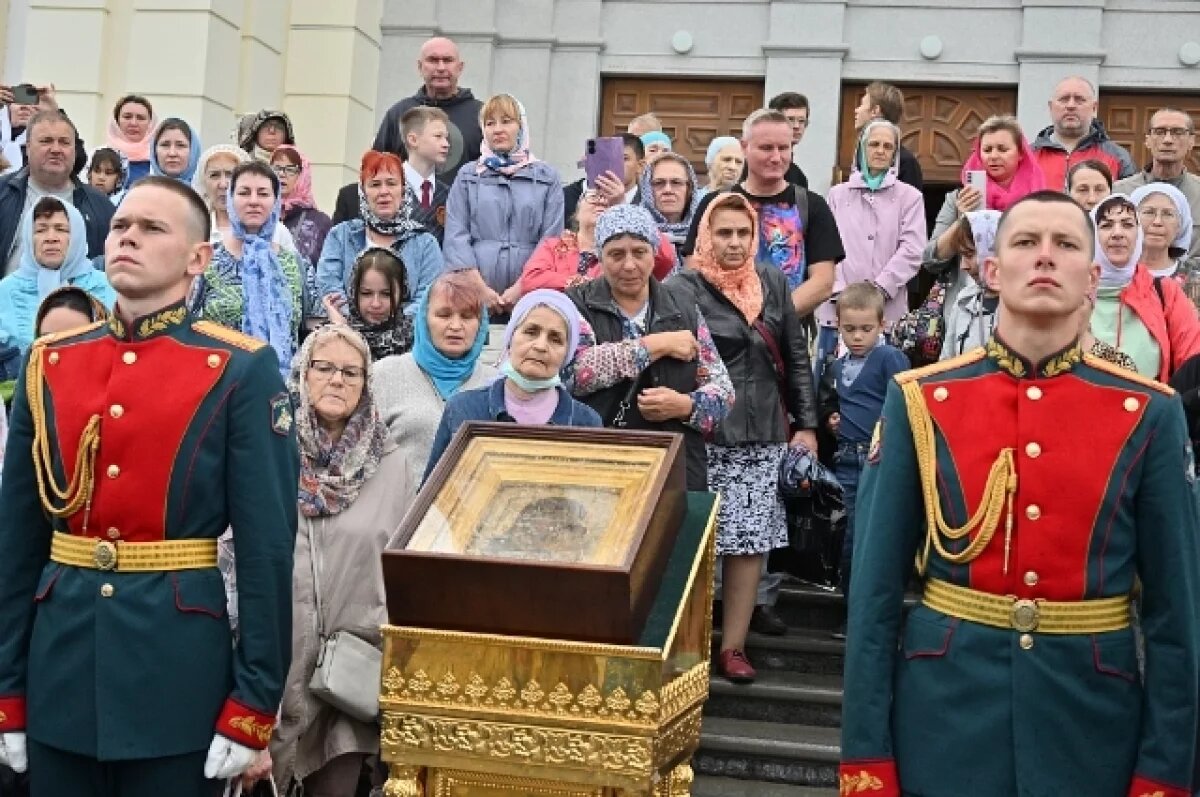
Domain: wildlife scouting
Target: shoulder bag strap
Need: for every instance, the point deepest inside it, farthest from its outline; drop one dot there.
(777, 361)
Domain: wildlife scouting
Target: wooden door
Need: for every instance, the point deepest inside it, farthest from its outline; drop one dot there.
(693, 112)
(1126, 117)
(939, 125)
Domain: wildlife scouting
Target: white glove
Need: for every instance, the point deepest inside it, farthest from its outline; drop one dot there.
(227, 758)
(12, 751)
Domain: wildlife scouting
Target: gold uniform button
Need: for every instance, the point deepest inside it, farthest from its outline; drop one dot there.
(1026, 641)
(1033, 450)
(1034, 393)
(107, 590)
(1031, 579)
(53, 358)
(1132, 404)
(116, 410)
(113, 471)
(941, 394)
(114, 533)
(213, 361)
(1033, 511)
(129, 358)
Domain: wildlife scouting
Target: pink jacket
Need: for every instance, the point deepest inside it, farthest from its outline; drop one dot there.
(1171, 321)
(556, 261)
(883, 233)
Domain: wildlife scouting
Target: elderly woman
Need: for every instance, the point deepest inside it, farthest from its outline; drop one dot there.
(570, 259)
(300, 214)
(749, 312)
(501, 206)
(176, 151)
(259, 134)
(883, 224)
(412, 389)
(646, 359)
(1149, 319)
(130, 132)
(253, 284)
(379, 290)
(1088, 182)
(539, 341)
(355, 487)
(1165, 215)
(724, 160)
(671, 193)
(385, 219)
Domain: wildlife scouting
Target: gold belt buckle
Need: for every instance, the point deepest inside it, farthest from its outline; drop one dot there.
(1025, 615)
(105, 555)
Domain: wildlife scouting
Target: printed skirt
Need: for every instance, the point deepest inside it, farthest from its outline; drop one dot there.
(751, 518)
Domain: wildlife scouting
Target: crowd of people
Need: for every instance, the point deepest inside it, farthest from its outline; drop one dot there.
(461, 278)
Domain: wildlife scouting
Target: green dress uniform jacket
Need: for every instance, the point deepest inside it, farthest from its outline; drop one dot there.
(194, 433)
(1089, 476)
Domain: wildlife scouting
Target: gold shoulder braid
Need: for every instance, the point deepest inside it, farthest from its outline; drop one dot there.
(999, 492)
(78, 493)
(227, 335)
(1133, 376)
(966, 358)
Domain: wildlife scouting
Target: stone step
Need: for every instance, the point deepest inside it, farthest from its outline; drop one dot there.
(809, 606)
(779, 696)
(799, 650)
(730, 787)
(768, 751)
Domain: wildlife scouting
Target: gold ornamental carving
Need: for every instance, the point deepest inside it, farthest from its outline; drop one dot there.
(678, 737)
(403, 781)
(454, 783)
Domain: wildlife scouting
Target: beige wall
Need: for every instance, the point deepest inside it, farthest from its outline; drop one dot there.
(207, 61)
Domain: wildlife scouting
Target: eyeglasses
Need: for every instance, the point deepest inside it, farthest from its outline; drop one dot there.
(286, 171)
(1150, 214)
(351, 374)
(660, 184)
(1174, 132)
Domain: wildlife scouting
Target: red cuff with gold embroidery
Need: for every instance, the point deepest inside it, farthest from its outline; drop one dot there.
(877, 778)
(245, 725)
(12, 714)
(1144, 787)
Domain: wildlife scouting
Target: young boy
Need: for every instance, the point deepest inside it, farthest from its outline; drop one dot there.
(426, 132)
(851, 398)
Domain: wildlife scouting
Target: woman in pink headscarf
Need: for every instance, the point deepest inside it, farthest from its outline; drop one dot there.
(299, 212)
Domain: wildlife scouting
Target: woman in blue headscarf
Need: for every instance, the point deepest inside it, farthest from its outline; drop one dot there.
(411, 390)
(176, 150)
(252, 284)
(53, 254)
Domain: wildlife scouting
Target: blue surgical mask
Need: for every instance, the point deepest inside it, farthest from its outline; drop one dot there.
(527, 384)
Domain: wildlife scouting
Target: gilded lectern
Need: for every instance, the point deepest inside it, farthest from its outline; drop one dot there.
(550, 600)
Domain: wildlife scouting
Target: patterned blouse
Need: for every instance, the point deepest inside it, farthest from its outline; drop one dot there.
(217, 294)
(598, 366)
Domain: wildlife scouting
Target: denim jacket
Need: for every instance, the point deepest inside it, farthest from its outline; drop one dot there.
(421, 255)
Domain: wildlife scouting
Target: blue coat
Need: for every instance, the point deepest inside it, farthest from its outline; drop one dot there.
(335, 271)
(494, 222)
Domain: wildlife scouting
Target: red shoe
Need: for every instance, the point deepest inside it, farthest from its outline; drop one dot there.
(734, 666)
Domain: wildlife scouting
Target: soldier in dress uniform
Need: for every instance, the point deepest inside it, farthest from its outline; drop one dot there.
(134, 443)
(1034, 485)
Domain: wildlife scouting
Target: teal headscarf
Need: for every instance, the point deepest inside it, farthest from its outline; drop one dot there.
(875, 181)
(446, 373)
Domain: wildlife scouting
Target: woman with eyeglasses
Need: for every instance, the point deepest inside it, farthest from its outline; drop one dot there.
(1166, 218)
(671, 193)
(1148, 318)
(300, 215)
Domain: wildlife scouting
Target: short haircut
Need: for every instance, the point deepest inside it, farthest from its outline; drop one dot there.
(635, 143)
(387, 263)
(47, 116)
(201, 220)
(889, 100)
(763, 116)
(288, 153)
(253, 167)
(1048, 197)
(1191, 123)
(106, 155)
(1096, 166)
(1091, 86)
(374, 162)
(1006, 122)
(788, 101)
(648, 120)
(173, 123)
(47, 206)
(505, 104)
(461, 291)
(860, 296)
(136, 99)
(416, 119)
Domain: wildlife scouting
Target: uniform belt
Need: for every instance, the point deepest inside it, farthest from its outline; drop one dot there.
(1025, 615)
(133, 557)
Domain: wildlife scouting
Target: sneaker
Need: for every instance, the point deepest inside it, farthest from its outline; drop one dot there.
(766, 620)
(734, 666)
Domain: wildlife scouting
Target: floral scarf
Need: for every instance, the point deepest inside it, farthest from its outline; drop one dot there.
(740, 285)
(387, 338)
(403, 226)
(302, 193)
(675, 230)
(511, 162)
(268, 304)
(332, 473)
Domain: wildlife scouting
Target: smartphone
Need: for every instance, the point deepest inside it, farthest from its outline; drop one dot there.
(978, 181)
(26, 94)
(602, 155)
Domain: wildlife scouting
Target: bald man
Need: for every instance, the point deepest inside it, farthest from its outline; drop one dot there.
(1076, 135)
(440, 67)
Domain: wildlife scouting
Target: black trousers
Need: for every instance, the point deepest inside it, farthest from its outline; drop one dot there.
(57, 773)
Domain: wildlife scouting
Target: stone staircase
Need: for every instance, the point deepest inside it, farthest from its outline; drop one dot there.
(780, 736)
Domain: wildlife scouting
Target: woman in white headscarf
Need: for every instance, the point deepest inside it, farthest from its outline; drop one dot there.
(1166, 220)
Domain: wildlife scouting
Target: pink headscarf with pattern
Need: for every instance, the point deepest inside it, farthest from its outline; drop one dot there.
(302, 194)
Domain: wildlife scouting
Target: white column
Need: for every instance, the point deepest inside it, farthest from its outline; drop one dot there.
(1060, 38)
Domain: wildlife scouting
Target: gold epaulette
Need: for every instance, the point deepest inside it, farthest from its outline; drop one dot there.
(55, 337)
(227, 335)
(1124, 373)
(966, 358)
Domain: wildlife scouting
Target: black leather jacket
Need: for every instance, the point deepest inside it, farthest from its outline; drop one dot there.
(757, 415)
